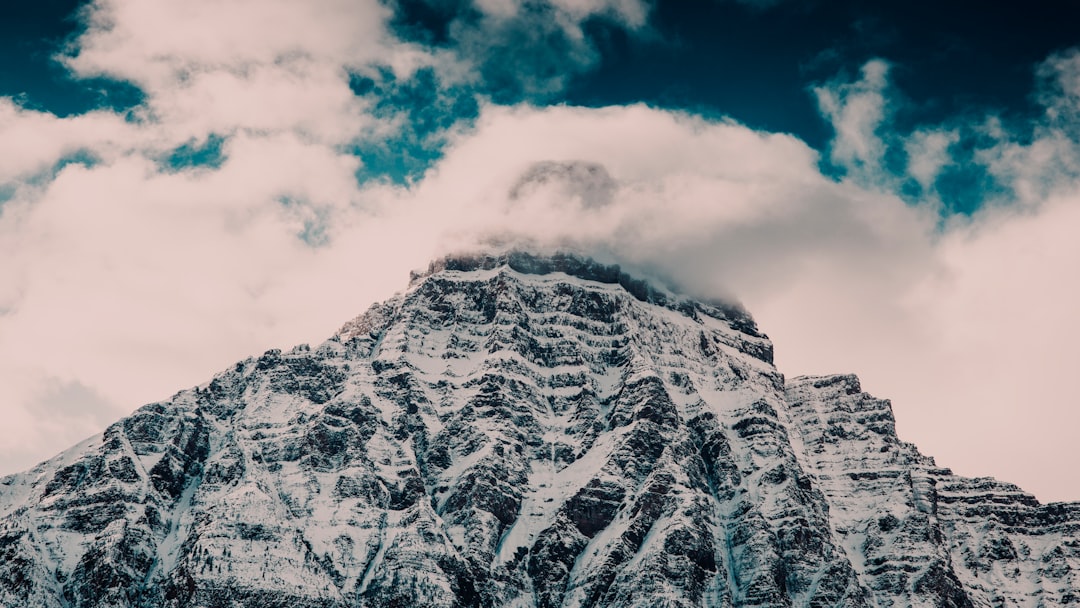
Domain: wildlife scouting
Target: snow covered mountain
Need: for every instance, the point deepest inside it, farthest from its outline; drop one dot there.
(516, 430)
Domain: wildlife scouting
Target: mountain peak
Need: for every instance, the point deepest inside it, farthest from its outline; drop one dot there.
(587, 269)
(523, 430)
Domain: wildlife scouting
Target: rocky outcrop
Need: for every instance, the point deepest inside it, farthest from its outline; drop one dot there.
(922, 534)
(516, 430)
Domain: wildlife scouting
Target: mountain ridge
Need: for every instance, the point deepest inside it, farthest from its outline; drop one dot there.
(522, 430)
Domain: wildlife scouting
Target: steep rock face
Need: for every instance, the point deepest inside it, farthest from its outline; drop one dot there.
(523, 431)
(918, 534)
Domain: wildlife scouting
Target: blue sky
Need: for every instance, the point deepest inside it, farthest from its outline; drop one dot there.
(756, 62)
(891, 188)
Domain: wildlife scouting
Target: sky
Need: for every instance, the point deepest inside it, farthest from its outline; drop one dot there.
(892, 189)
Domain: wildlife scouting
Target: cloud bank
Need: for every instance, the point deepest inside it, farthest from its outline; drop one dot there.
(232, 212)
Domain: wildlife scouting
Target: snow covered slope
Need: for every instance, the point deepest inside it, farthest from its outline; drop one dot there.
(523, 431)
(912, 528)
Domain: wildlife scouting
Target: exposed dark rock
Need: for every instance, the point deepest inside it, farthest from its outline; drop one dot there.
(520, 430)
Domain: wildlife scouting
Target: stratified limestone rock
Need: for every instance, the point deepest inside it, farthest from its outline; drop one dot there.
(523, 431)
(918, 534)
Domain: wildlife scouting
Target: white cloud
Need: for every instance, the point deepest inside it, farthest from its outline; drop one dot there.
(244, 65)
(160, 45)
(1035, 170)
(928, 154)
(856, 111)
(123, 282)
(152, 281)
(1060, 89)
(979, 355)
(32, 142)
(1005, 334)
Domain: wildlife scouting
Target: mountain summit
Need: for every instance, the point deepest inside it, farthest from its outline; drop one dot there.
(524, 431)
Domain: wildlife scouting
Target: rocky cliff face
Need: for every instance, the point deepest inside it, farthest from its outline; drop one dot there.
(523, 431)
(914, 530)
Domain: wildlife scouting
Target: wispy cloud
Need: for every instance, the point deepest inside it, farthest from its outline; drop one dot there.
(857, 110)
(928, 153)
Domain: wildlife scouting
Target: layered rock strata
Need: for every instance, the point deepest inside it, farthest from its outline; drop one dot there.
(516, 430)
